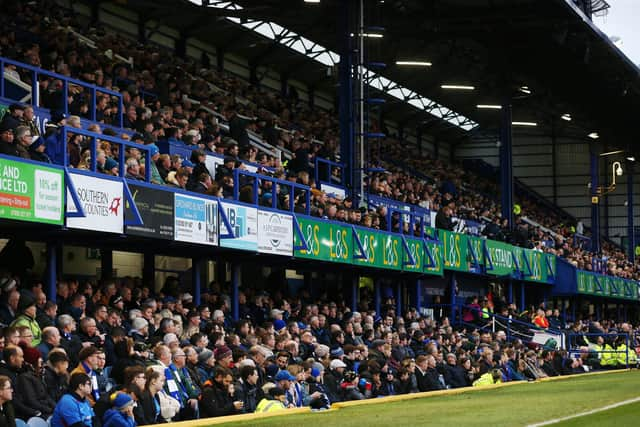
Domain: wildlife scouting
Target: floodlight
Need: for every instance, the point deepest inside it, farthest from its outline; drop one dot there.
(457, 87)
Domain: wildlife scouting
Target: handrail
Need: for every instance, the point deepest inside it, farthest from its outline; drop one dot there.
(36, 72)
(94, 137)
(274, 196)
(414, 218)
(330, 164)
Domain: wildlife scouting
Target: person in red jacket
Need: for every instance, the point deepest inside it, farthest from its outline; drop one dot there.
(540, 320)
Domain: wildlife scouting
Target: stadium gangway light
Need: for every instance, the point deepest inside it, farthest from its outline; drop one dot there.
(374, 100)
(373, 134)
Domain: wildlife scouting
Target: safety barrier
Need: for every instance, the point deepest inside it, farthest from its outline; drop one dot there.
(606, 361)
(492, 322)
(33, 91)
(93, 146)
(323, 169)
(277, 185)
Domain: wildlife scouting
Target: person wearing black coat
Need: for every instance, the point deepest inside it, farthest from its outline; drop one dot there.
(56, 379)
(443, 219)
(246, 389)
(7, 413)
(427, 375)
(30, 389)
(12, 118)
(454, 375)
(148, 414)
(12, 367)
(198, 158)
(216, 400)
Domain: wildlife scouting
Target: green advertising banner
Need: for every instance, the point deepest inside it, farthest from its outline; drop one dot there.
(476, 244)
(416, 248)
(601, 285)
(325, 241)
(500, 255)
(30, 192)
(455, 250)
(535, 268)
(382, 250)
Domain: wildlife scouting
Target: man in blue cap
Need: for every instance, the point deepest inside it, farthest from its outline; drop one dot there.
(154, 153)
(284, 379)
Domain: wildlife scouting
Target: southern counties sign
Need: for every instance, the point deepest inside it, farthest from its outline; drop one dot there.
(30, 192)
(244, 225)
(196, 220)
(102, 202)
(275, 233)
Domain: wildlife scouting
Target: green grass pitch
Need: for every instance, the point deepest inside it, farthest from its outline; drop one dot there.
(516, 405)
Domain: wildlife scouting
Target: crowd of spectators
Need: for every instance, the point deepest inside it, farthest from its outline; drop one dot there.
(87, 357)
(182, 101)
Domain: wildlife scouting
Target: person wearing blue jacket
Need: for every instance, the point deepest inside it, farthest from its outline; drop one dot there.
(73, 409)
(121, 415)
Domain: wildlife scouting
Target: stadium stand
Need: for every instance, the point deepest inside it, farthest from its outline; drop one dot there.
(244, 110)
(125, 353)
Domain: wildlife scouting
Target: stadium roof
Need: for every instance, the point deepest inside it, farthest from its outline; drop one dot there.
(500, 47)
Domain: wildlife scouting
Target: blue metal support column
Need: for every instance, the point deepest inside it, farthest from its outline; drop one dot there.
(510, 292)
(355, 281)
(418, 295)
(308, 283)
(506, 166)
(52, 270)
(376, 296)
(522, 300)
(149, 270)
(196, 279)
(235, 290)
(399, 298)
(631, 237)
(595, 200)
(106, 264)
(345, 93)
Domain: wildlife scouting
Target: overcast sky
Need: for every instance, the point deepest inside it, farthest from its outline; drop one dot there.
(622, 21)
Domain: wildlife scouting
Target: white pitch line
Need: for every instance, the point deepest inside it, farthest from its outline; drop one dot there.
(582, 414)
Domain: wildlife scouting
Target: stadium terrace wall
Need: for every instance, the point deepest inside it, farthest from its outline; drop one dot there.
(104, 204)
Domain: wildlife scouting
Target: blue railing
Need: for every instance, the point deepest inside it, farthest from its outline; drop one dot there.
(513, 328)
(615, 352)
(327, 171)
(93, 146)
(36, 73)
(400, 207)
(276, 186)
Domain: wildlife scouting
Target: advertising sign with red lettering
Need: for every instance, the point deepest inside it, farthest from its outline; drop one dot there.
(102, 201)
